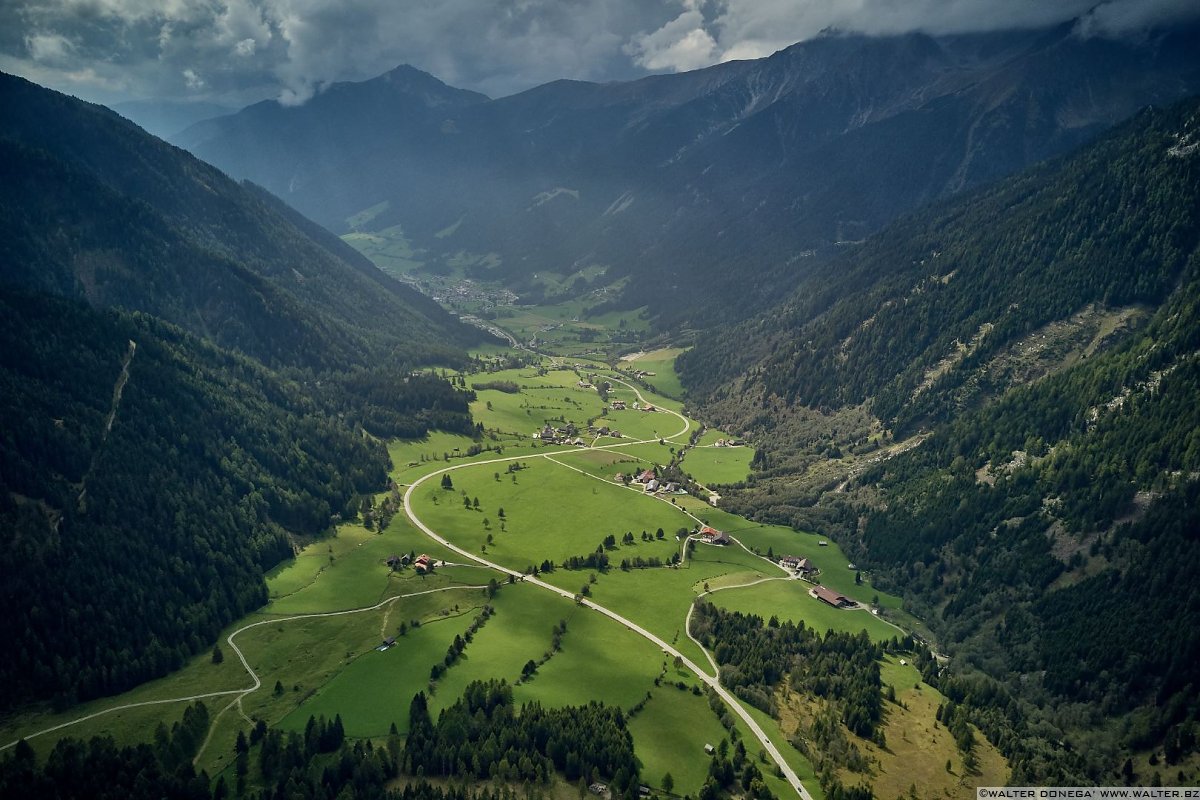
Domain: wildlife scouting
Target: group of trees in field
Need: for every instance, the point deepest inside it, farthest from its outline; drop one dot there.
(481, 736)
(755, 656)
(484, 735)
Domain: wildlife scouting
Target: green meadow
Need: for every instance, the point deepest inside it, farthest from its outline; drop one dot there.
(790, 600)
(375, 689)
(662, 364)
(550, 512)
(517, 503)
(717, 465)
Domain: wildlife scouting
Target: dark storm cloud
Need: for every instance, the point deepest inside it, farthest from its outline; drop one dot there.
(241, 50)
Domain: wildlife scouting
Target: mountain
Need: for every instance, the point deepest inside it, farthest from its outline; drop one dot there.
(351, 141)
(141, 225)
(164, 118)
(712, 190)
(189, 374)
(993, 403)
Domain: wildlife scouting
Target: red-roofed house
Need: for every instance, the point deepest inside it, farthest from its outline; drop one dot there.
(713, 536)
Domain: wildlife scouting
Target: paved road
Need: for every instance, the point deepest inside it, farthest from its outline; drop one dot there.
(709, 680)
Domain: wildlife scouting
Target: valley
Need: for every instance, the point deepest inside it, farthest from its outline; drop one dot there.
(819, 424)
(503, 534)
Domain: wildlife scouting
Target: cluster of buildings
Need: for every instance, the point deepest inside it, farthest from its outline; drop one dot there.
(621, 405)
(552, 435)
(712, 535)
(650, 482)
(422, 564)
(801, 566)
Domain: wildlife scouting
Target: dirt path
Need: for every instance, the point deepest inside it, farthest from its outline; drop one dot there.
(118, 390)
(241, 693)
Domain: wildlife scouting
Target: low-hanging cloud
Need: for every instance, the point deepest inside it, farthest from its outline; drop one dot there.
(740, 29)
(243, 50)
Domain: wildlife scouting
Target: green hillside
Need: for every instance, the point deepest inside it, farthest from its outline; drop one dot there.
(192, 379)
(993, 406)
(92, 207)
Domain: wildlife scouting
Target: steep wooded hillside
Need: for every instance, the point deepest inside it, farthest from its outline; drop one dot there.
(711, 189)
(993, 404)
(191, 374)
(93, 207)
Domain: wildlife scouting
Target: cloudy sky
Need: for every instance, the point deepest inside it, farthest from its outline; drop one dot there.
(239, 51)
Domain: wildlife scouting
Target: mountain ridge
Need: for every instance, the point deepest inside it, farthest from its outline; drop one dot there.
(206, 233)
(821, 142)
(190, 370)
(991, 405)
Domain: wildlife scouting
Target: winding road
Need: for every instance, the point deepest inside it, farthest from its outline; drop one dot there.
(712, 681)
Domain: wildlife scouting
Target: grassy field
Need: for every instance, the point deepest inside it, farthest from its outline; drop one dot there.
(550, 512)
(669, 735)
(918, 748)
(790, 600)
(715, 465)
(388, 248)
(375, 689)
(558, 502)
(662, 364)
(658, 599)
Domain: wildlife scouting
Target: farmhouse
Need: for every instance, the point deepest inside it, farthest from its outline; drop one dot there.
(713, 536)
(618, 405)
(652, 485)
(423, 564)
(394, 561)
(802, 565)
(827, 595)
(646, 476)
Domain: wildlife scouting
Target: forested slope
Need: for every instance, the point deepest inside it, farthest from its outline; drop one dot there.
(93, 207)
(1035, 349)
(190, 375)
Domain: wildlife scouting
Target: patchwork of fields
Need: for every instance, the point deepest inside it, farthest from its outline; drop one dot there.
(319, 647)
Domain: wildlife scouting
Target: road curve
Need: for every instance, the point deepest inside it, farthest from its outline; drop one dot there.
(241, 657)
(709, 680)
